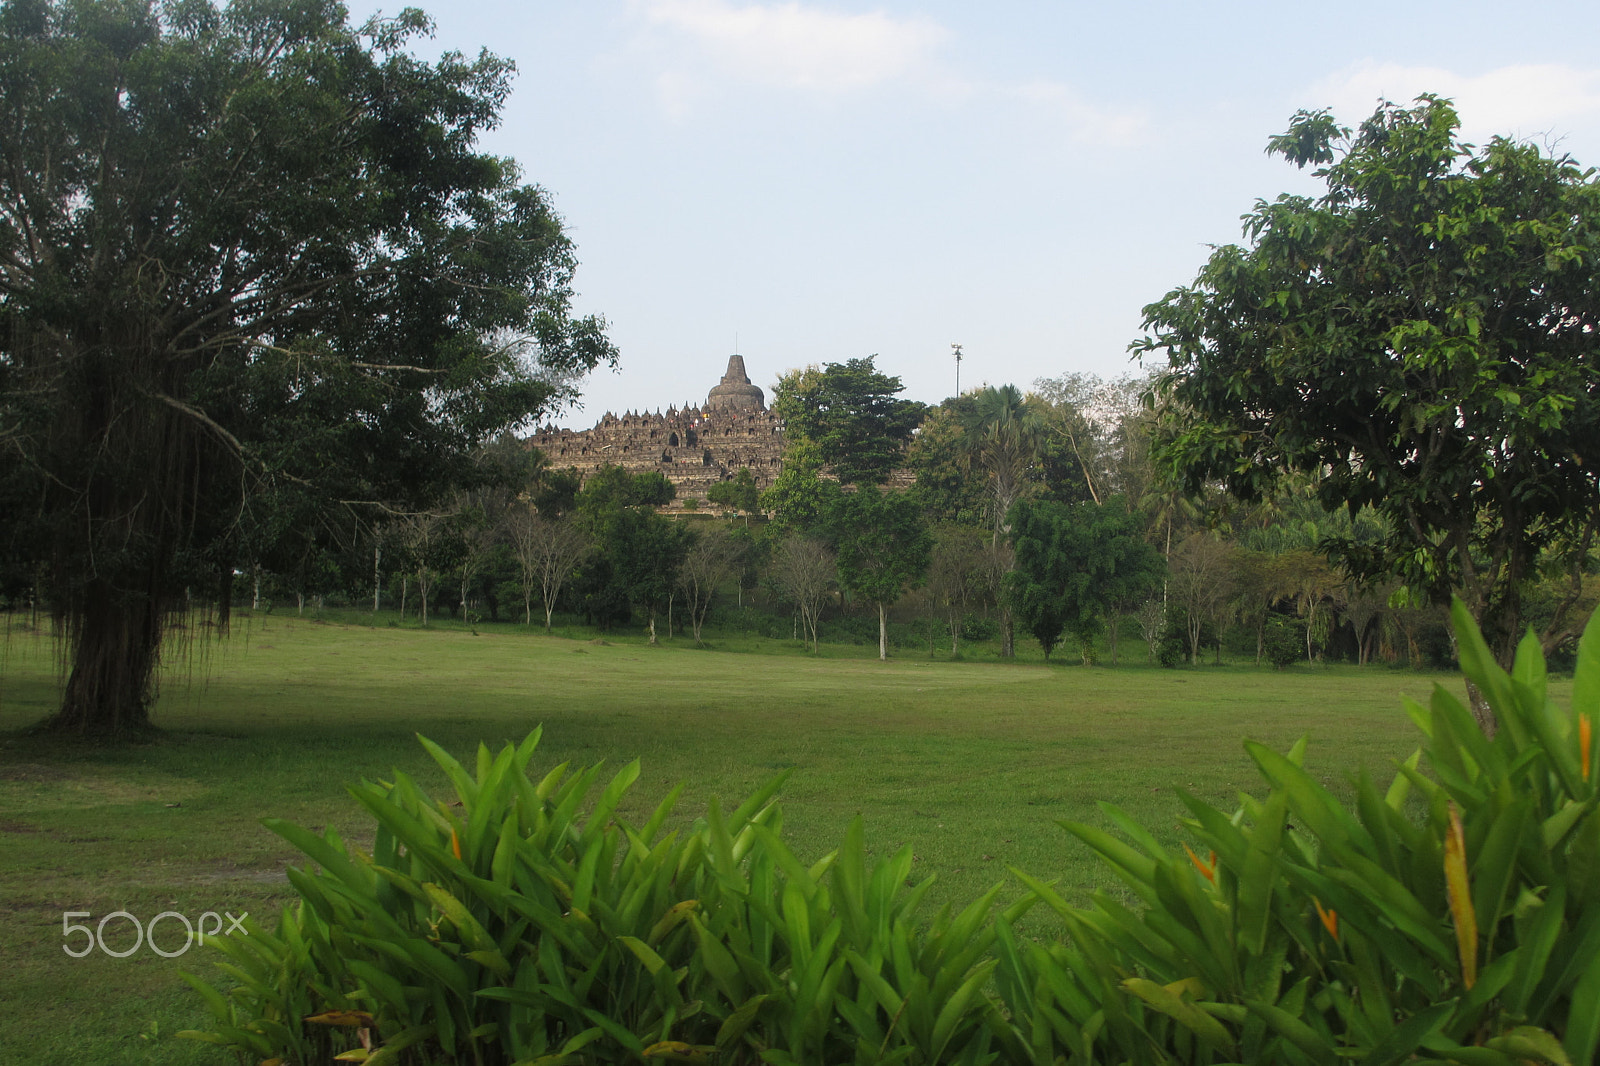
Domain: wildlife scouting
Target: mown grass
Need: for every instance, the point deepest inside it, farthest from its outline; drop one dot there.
(971, 763)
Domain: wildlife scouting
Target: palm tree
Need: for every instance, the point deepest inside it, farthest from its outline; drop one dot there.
(1004, 434)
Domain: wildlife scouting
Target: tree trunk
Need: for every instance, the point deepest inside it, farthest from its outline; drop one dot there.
(224, 599)
(652, 625)
(883, 632)
(377, 577)
(116, 646)
(1481, 712)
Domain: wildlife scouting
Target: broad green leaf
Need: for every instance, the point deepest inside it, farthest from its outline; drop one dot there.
(1184, 1011)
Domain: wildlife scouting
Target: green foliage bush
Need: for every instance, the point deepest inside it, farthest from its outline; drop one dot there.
(1284, 641)
(1447, 918)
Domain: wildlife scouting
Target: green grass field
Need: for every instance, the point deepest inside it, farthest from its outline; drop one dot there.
(971, 763)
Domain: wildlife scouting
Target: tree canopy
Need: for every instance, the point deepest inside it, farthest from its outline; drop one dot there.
(853, 414)
(1421, 340)
(254, 279)
(1077, 564)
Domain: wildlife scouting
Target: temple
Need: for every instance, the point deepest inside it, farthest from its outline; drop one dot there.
(694, 446)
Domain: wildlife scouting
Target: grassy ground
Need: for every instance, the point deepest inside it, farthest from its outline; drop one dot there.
(971, 763)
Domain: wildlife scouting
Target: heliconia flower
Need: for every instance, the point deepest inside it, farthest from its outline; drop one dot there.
(1207, 869)
(455, 844)
(1330, 918)
(1585, 742)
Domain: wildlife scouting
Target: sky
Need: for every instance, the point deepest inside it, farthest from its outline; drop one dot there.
(808, 182)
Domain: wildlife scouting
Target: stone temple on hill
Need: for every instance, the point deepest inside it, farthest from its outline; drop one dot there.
(694, 446)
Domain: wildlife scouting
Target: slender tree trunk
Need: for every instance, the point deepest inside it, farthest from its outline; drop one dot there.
(115, 648)
(652, 625)
(377, 578)
(224, 598)
(255, 597)
(883, 632)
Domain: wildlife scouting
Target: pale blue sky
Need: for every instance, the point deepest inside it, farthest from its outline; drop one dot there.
(828, 180)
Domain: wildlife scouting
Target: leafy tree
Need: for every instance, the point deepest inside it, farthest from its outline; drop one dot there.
(852, 414)
(555, 492)
(612, 488)
(250, 264)
(945, 487)
(800, 499)
(646, 552)
(738, 493)
(883, 545)
(1420, 340)
(641, 550)
(1075, 565)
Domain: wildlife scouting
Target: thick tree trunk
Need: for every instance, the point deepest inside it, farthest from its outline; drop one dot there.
(883, 632)
(115, 648)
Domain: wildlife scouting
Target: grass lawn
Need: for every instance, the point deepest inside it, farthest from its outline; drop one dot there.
(971, 763)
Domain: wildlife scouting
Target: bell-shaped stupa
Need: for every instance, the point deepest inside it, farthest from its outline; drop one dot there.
(735, 395)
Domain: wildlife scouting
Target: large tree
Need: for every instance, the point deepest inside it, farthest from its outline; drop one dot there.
(853, 414)
(1422, 341)
(1076, 565)
(251, 265)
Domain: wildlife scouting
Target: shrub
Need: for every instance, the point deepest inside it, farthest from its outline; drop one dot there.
(1284, 641)
(509, 927)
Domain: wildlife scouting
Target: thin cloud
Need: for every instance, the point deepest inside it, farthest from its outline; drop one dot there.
(1540, 102)
(700, 46)
(792, 45)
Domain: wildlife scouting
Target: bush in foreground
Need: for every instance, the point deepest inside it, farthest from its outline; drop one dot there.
(1453, 918)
